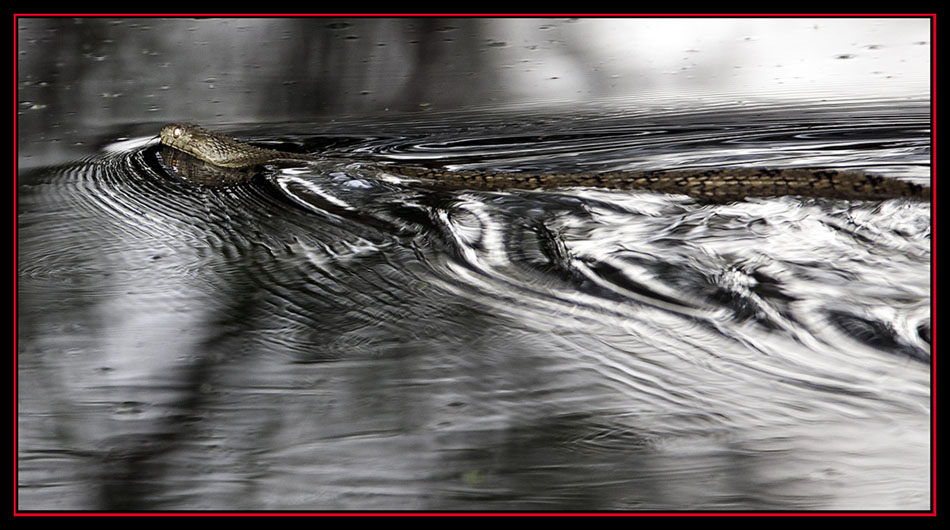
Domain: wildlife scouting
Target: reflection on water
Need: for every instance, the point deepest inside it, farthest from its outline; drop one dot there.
(327, 338)
(77, 77)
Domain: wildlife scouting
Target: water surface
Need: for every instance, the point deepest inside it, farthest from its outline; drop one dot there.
(329, 337)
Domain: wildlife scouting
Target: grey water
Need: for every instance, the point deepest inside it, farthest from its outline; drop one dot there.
(332, 338)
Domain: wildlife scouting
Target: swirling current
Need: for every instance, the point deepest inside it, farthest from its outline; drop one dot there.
(331, 337)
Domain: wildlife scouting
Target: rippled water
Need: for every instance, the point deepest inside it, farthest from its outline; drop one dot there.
(330, 338)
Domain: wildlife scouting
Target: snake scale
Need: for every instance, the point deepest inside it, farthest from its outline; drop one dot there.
(711, 185)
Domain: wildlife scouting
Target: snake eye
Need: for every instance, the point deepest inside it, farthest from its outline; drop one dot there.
(177, 132)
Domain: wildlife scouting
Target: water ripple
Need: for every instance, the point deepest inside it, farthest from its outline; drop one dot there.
(634, 341)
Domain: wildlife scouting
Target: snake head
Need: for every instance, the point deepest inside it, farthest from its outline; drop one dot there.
(198, 142)
(214, 148)
(176, 135)
(208, 146)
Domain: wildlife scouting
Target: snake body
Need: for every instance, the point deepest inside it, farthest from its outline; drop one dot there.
(712, 185)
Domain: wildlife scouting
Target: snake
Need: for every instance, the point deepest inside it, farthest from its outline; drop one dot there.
(236, 160)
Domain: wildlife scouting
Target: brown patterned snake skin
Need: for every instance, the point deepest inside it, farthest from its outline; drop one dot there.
(712, 185)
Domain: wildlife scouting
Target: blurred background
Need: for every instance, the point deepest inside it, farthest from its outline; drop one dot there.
(78, 78)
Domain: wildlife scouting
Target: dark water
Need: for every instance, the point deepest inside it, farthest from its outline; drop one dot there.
(330, 338)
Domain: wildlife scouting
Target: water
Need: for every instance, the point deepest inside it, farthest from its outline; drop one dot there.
(331, 338)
